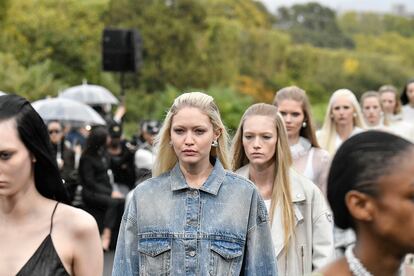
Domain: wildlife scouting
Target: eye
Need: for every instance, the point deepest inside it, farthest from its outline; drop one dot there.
(267, 137)
(283, 113)
(200, 131)
(5, 155)
(295, 114)
(248, 136)
(178, 130)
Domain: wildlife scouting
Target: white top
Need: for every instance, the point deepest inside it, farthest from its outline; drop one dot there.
(311, 162)
(339, 141)
(408, 113)
(144, 159)
(403, 129)
(267, 203)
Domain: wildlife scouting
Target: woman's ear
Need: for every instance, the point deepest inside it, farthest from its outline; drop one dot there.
(33, 158)
(217, 134)
(360, 205)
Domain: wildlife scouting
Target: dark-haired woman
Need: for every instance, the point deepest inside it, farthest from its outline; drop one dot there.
(371, 189)
(101, 200)
(407, 99)
(37, 238)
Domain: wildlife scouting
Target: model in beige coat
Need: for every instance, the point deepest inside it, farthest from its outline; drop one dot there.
(312, 245)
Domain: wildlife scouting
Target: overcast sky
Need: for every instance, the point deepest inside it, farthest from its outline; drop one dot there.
(345, 5)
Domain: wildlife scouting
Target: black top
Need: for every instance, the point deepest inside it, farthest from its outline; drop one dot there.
(123, 166)
(93, 173)
(45, 261)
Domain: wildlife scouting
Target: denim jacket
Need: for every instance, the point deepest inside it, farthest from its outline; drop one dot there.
(222, 228)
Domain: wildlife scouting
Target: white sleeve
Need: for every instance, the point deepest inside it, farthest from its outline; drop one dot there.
(144, 159)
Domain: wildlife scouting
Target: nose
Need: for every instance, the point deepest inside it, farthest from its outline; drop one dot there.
(256, 143)
(287, 118)
(188, 140)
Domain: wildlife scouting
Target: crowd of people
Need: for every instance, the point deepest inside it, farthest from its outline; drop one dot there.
(278, 198)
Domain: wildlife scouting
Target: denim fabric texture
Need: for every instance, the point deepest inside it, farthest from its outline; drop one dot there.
(171, 229)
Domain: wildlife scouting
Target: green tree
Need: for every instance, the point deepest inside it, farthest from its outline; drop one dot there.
(170, 31)
(312, 23)
(35, 31)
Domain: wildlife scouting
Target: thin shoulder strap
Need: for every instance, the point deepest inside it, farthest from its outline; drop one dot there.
(51, 219)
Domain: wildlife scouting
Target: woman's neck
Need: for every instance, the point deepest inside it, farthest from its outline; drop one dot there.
(293, 139)
(196, 174)
(263, 176)
(369, 250)
(21, 204)
(344, 131)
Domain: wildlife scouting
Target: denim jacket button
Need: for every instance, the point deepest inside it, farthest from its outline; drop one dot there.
(192, 253)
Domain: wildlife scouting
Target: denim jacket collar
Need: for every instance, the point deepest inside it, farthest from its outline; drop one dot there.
(212, 184)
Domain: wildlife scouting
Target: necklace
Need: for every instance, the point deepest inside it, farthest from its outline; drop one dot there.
(356, 267)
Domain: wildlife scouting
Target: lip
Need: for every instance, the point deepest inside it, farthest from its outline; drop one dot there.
(189, 152)
(257, 154)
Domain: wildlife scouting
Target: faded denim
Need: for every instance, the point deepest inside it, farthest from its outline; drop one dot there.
(171, 229)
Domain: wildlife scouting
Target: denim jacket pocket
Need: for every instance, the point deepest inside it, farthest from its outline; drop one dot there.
(225, 257)
(155, 256)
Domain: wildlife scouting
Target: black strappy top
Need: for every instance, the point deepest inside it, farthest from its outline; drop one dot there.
(45, 261)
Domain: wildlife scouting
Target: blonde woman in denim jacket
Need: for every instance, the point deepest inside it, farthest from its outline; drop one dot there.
(302, 227)
(194, 217)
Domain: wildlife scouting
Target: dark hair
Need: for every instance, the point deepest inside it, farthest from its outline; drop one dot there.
(34, 135)
(96, 141)
(404, 97)
(357, 165)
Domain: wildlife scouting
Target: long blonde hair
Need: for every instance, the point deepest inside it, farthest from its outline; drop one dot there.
(328, 131)
(281, 191)
(166, 158)
(297, 94)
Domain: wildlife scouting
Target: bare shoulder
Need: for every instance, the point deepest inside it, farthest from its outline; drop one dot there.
(75, 220)
(338, 267)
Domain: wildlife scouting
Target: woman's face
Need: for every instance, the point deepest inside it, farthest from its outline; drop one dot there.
(259, 139)
(393, 215)
(372, 111)
(410, 93)
(16, 165)
(342, 111)
(293, 116)
(388, 102)
(191, 136)
(55, 132)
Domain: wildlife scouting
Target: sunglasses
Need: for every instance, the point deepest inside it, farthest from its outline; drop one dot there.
(51, 131)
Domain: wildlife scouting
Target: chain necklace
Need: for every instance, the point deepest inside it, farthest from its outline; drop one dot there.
(356, 267)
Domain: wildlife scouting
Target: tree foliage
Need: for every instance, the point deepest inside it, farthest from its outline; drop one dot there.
(314, 24)
(234, 50)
